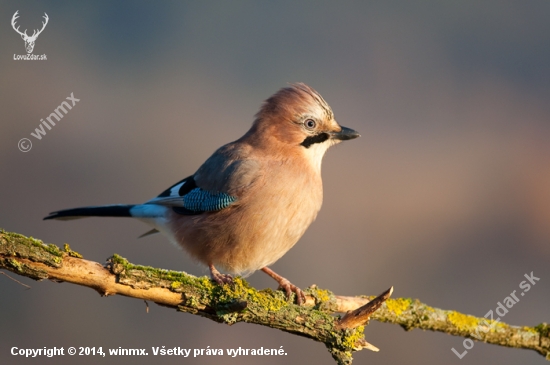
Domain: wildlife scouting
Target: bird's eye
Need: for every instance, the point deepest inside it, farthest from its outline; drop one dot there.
(310, 124)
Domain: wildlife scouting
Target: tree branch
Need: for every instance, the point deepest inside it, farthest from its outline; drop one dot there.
(240, 302)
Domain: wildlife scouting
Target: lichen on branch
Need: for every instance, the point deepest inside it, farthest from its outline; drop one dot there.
(317, 319)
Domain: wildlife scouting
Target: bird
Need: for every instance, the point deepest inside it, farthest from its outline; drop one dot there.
(252, 199)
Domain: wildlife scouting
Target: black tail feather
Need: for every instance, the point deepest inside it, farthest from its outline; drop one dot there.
(118, 210)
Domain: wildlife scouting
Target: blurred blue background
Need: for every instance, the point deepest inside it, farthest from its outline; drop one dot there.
(446, 195)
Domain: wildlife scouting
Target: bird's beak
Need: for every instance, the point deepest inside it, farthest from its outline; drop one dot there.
(345, 134)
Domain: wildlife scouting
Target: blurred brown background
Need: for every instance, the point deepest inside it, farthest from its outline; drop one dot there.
(446, 196)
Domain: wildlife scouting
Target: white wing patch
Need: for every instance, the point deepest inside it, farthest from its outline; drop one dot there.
(175, 190)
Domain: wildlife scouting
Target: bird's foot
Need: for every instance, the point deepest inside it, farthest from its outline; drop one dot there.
(287, 286)
(218, 277)
(290, 288)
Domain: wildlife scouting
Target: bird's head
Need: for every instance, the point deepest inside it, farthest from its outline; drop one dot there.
(297, 120)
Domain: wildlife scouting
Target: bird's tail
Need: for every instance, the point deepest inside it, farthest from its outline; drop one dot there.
(117, 210)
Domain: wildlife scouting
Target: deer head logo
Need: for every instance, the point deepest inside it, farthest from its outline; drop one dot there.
(29, 41)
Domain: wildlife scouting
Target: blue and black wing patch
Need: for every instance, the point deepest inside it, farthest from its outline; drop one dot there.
(199, 200)
(196, 200)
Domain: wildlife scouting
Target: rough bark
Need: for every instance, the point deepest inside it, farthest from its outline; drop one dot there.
(229, 304)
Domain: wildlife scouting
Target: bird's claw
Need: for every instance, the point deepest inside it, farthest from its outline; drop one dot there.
(220, 278)
(223, 279)
(287, 286)
(290, 288)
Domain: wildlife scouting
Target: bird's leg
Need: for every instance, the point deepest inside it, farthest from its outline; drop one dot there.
(288, 287)
(218, 277)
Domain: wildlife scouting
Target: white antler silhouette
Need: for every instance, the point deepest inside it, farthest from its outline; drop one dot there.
(29, 41)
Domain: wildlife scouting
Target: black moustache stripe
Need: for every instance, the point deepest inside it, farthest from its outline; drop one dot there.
(318, 138)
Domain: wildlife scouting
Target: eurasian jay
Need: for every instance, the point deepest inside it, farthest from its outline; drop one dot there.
(253, 199)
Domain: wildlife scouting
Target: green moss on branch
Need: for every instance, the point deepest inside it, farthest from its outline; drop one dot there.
(240, 302)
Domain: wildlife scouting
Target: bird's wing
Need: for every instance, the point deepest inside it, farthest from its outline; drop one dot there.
(229, 170)
(185, 197)
(217, 184)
